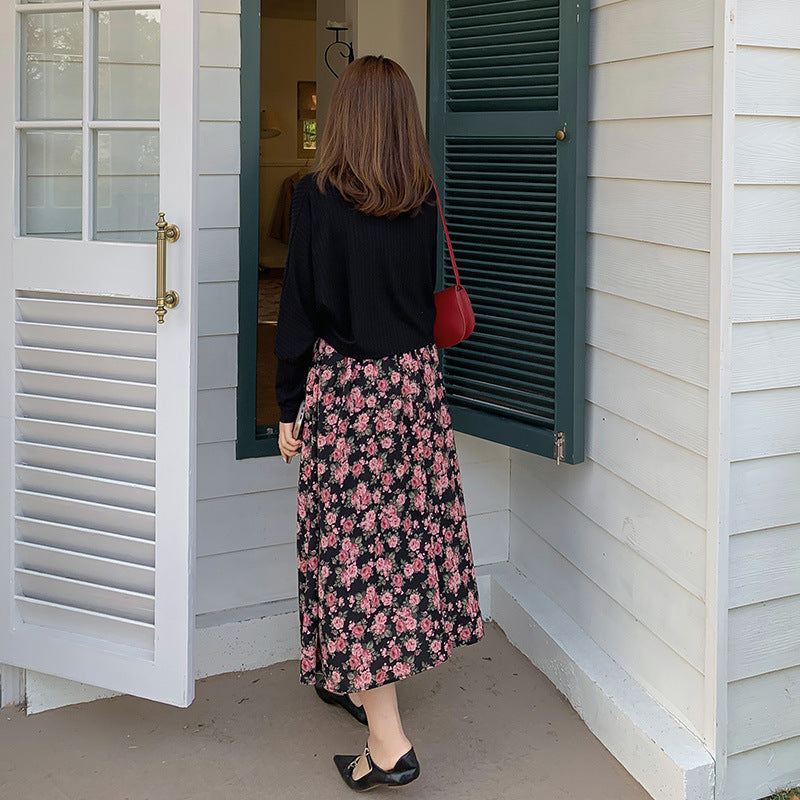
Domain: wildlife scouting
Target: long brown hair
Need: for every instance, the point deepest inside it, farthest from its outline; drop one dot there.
(373, 149)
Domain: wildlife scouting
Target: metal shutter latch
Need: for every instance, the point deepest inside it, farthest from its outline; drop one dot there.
(559, 446)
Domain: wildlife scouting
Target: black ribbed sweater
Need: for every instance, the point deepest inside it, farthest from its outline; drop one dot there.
(363, 283)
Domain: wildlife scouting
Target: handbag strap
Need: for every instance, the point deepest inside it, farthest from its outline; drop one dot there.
(446, 234)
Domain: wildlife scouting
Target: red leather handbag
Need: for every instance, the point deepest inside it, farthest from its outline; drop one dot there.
(455, 319)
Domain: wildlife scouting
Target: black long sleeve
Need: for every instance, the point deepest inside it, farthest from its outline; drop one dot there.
(296, 332)
(363, 283)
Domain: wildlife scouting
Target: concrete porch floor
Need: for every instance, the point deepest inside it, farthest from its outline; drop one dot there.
(485, 725)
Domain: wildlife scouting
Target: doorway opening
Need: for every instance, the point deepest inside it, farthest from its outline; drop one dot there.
(287, 148)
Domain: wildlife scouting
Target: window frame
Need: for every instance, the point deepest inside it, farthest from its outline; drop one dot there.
(252, 441)
(87, 124)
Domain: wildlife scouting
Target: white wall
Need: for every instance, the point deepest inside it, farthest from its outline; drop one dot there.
(619, 542)
(764, 616)
(288, 55)
(337, 11)
(395, 29)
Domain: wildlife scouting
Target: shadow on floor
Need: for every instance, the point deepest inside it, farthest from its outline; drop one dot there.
(485, 725)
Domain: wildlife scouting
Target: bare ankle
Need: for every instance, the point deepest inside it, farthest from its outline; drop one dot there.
(385, 751)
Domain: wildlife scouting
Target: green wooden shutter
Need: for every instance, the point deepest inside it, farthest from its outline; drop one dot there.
(504, 76)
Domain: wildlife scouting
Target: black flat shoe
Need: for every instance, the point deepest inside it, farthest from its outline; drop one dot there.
(404, 771)
(344, 701)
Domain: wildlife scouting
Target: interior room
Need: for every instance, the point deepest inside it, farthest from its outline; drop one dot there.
(287, 152)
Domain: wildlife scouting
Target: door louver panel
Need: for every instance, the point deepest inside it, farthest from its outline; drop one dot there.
(502, 55)
(84, 549)
(503, 225)
(508, 127)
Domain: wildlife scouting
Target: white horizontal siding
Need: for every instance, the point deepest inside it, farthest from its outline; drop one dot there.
(645, 149)
(768, 22)
(764, 565)
(766, 423)
(664, 673)
(676, 278)
(763, 709)
(672, 343)
(764, 493)
(765, 218)
(765, 355)
(767, 149)
(748, 656)
(608, 561)
(619, 541)
(765, 285)
(669, 473)
(759, 772)
(630, 30)
(246, 508)
(764, 592)
(675, 410)
(768, 80)
(662, 212)
(670, 85)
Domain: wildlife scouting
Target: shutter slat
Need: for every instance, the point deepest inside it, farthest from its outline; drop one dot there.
(541, 52)
(524, 296)
(515, 260)
(86, 540)
(502, 42)
(528, 309)
(460, 69)
(502, 56)
(499, 278)
(510, 219)
(82, 566)
(514, 209)
(502, 210)
(519, 397)
(107, 627)
(476, 8)
(85, 466)
(513, 184)
(86, 595)
(489, 340)
(527, 241)
(466, 369)
(498, 405)
(533, 331)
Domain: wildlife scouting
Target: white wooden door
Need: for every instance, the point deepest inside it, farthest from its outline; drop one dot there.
(97, 463)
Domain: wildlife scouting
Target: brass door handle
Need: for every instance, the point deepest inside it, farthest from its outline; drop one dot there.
(561, 133)
(164, 299)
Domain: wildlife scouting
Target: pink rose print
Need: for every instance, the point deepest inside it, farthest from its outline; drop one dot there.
(385, 572)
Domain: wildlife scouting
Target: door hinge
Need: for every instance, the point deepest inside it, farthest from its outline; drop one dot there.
(559, 446)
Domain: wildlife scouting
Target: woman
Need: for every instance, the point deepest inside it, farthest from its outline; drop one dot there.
(386, 577)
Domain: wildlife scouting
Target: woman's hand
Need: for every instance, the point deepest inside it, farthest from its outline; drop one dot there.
(287, 444)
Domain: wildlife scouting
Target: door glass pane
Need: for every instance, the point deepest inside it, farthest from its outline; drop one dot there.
(128, 57)
(126, 186)
(52, 65)
(52, 187)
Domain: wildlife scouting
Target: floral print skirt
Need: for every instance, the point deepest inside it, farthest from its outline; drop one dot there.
(385, 572)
